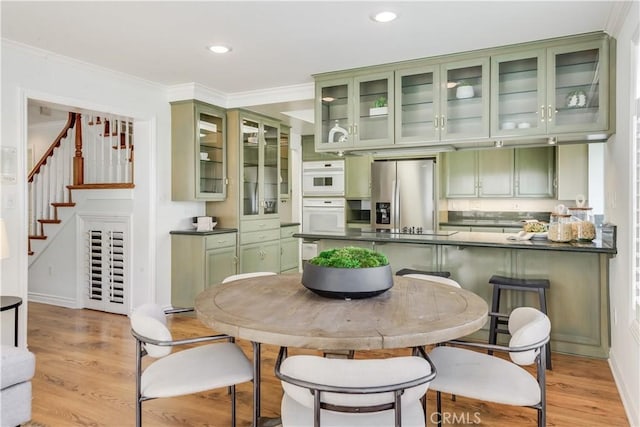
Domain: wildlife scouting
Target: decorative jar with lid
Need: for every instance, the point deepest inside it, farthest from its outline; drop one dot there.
(560, 228)
(583, 227)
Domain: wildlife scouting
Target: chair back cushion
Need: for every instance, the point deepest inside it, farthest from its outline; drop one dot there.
(150, 321)
(527, 326)
(354, 373)
(437, 279)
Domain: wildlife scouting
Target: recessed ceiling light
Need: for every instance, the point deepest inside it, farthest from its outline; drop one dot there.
(386, 16)
(218, 48)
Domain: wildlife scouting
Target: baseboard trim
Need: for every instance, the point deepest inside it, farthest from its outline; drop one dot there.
(53, 300)
(628, 401)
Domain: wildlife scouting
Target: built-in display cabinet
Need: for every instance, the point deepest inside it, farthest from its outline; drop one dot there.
(285, 163)
(561, 89)
(198, 151)
(554, 88)
(496, 173)
(355, 111)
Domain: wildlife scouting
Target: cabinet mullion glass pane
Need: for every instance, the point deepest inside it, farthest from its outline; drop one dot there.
(577, 87)
(373, 110)
(271, 172)
(250, 167)
(335, 111)
(464, 106)
(211, 153)
(417, 109)
(518, 93)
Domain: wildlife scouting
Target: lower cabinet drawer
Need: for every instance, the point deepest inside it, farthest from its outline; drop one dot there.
(259, 236)
(220, 240)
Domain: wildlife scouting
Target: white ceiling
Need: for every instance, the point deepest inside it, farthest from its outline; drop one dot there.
(277, 44)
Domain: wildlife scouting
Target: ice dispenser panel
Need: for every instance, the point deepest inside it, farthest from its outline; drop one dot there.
(383, 213)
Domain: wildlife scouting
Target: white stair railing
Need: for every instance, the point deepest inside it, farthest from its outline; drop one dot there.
(108, 150)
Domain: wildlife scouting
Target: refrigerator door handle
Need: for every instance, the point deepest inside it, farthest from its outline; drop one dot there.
(394, 206)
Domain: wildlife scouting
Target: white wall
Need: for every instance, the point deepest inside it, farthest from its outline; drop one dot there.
(625, 337)
(32, 73)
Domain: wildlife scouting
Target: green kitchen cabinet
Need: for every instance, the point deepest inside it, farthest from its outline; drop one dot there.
(560, 89)
(358, 177)
(535, 172)
(198, 151)
(289, 249)
(260, 245)
(501, 172)
(354, 111)
(433, 106)
(199, 261)
(260, 257)
(481, 173)
(260, 171)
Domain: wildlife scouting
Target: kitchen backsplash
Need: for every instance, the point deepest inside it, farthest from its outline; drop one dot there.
(503, 205)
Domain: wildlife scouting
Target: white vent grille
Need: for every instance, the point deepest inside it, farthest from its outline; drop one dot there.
(106, 263)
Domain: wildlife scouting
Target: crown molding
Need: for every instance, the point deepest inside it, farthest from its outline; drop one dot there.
(291, 93)
(196, 91)
(617, 17)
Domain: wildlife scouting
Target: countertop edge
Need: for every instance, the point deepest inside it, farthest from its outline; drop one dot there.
(477, 239)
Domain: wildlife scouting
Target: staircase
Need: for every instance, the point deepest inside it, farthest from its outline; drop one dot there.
(102, 158)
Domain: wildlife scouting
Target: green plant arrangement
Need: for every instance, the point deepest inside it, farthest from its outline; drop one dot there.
(348, 273)
(380, 102)
(350, 257)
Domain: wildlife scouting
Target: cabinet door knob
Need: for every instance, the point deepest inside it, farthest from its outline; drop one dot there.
(550, 111)
(435, 122)
(542, 113)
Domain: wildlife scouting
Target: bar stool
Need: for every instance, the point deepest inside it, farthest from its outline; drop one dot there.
(501, 283)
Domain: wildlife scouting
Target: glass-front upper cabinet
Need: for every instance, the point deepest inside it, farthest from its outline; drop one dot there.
(518, 93)
(198, 151)
(285, 166)
(354, 111)
(464, 104)
(251, 141)
(260, 161)
(271, 170)
(577, 88)
(417, 105)
(210, 170)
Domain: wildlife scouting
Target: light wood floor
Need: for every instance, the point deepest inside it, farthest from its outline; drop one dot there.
(85, 377)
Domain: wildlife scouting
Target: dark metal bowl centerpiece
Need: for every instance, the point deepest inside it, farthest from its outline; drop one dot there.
(348, 273)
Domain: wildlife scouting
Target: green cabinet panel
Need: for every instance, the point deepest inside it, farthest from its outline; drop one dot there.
(260, 257)
(358, 177)
(289, 249)
(572, 171)
(535, 172)
(495, 173)
(198, 151)
(285, 163)
(200, 261)
(406, 255)
(460, 174)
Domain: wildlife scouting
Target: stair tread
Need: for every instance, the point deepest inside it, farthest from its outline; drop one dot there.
(63, 204)
(49, 221)
(37, 237)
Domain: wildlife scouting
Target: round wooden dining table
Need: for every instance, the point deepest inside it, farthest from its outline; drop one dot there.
(279, 310)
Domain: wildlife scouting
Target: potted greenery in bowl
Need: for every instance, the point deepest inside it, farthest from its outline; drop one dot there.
(348, 272)
(379, 107)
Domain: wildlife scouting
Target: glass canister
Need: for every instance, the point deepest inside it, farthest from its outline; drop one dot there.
(560, 228)
(583, 227)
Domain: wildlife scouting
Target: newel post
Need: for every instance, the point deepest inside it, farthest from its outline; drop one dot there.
(78, 160)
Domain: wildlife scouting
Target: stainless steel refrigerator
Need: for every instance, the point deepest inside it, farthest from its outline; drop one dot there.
(403, 196)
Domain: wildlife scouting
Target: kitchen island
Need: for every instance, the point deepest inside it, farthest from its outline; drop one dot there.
(578, 300)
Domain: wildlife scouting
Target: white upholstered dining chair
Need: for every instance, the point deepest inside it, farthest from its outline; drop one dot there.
(464, 372)
(320, 391)
(437, 279)
(241, 276)
(193, 370)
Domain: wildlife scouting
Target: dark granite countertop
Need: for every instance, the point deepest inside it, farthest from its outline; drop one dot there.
(465, 238)
(288, 224)
(193, 231)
